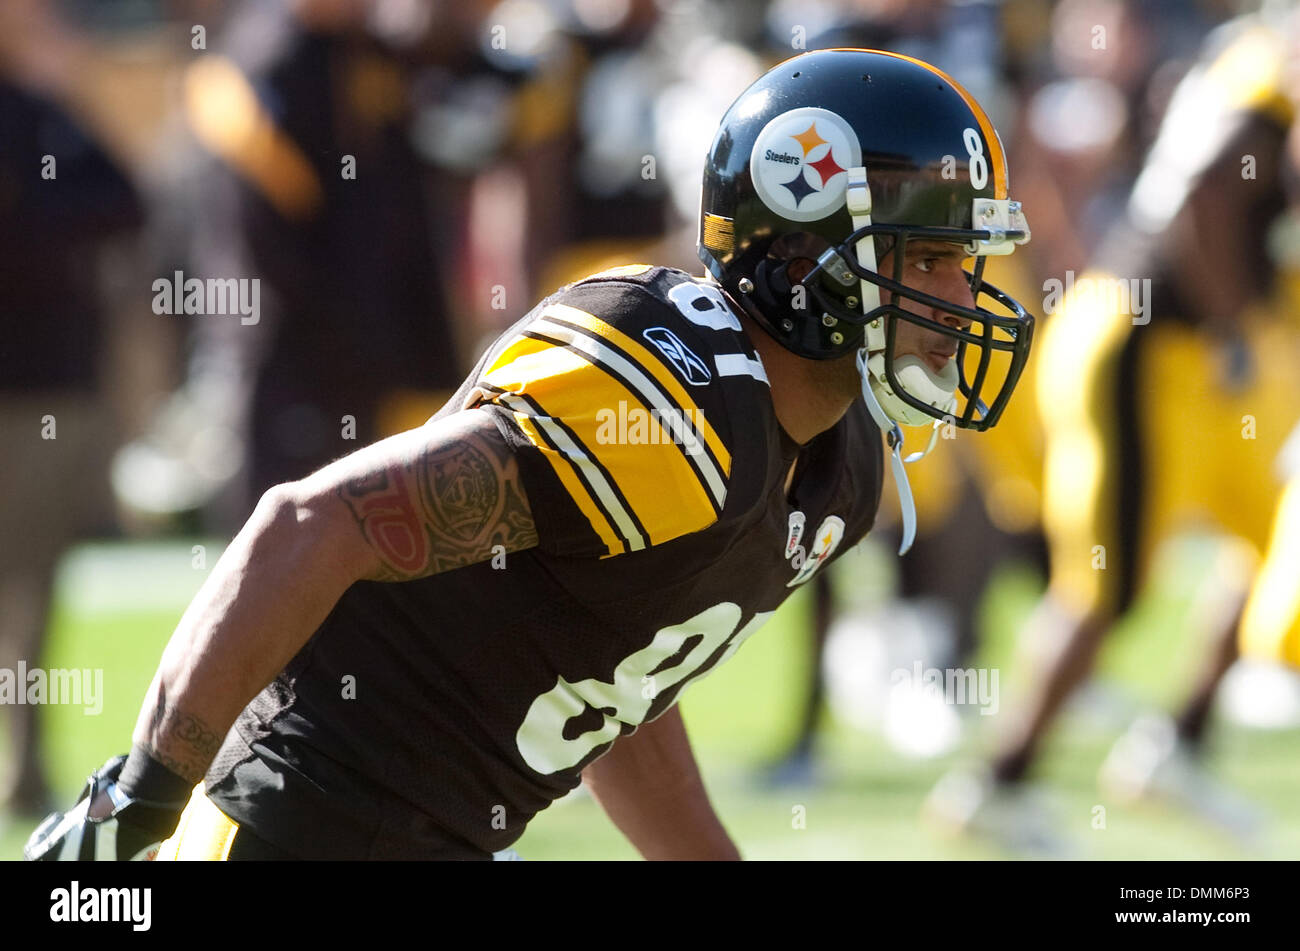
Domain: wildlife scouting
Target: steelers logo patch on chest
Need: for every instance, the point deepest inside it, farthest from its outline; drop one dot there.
(800, 162)
(829, 535)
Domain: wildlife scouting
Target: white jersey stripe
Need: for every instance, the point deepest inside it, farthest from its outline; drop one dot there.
(577, 456)
(737, 364)
(684, 433)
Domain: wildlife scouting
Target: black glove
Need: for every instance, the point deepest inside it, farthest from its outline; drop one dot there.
(133, 830)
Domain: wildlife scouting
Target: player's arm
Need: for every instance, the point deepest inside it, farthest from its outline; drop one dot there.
(425, 501)
(650, 787)
(422, 502)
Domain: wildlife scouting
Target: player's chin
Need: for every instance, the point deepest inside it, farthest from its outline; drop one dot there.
(937, 361)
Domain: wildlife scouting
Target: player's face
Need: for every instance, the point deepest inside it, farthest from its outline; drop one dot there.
(934, 267)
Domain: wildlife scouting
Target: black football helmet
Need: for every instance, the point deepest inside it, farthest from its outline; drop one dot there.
(837, 156)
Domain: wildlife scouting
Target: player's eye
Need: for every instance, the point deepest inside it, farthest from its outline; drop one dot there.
(926, 265)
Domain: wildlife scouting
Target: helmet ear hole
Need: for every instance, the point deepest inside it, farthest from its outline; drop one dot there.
(778, 279)
(798, 269)
(772, 286)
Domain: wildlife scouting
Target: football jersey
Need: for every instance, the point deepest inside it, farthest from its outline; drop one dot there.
(434, 718)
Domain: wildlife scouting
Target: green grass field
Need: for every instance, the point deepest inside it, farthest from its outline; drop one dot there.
(117, 604)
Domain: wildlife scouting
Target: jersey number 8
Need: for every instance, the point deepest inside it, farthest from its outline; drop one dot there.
(541, 739)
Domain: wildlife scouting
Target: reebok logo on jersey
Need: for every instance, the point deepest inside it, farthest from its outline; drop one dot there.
(689, 366)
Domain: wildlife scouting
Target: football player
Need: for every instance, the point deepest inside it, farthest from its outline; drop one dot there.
(1270, 622)
(1152, 429)
(426, 642)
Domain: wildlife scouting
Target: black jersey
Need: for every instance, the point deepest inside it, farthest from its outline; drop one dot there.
(434, 718)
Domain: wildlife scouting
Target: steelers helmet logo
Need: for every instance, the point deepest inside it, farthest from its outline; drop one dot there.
(800, 163)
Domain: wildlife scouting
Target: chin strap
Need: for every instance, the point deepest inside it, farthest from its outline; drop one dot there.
(897, 462)
(934, 437)
(858, 201)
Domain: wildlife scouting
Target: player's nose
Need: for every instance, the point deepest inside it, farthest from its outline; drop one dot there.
(954, 286)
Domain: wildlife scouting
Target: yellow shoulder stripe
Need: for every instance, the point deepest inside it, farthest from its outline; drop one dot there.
(653, 365)
(568, 476)
(618, 463)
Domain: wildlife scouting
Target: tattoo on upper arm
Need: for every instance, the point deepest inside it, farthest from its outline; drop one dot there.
(451, 507)
(182, 742)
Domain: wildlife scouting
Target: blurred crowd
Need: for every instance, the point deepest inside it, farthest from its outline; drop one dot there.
(405, 178)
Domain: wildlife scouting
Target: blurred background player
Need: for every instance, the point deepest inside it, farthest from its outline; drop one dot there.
(1157, 428)
(64, 200)
(303, 170)
(1270, 622)
(484, 167)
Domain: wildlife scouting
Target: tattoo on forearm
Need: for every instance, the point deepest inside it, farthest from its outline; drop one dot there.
(449, 508)
(182, 742)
